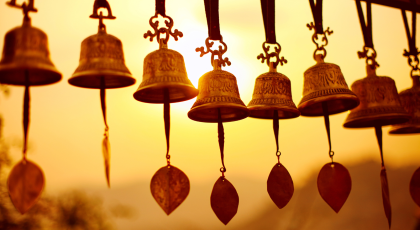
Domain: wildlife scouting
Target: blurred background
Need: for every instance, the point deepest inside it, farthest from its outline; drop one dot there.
(67, 128)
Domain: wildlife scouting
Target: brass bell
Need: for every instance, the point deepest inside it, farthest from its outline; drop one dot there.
(272, 92)
(164, 70)
(101, 63)
(218, 90)
(324, 82)
(410, 101)
(379, 102)
(25, 53)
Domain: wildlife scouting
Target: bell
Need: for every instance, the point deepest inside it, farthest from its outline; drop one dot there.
(272, 92)
(218, 90)
(26, 58)
(164, 69)
(379, 102)
(410, 101)
(102, 63)
(324, 83)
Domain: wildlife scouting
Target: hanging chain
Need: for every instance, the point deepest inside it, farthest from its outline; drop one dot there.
(327, 127)
(167, 120)
(320, 47)
(221, 132)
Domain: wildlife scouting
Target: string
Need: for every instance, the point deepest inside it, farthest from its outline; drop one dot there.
(378, 132)
(167, 120)
(327, 127)
(317, 14)
(105, 142)
(268, 11)
(26, 111)
(160, 7)
(212, 15)
(221, 140)
(276, 132)
(366, 28)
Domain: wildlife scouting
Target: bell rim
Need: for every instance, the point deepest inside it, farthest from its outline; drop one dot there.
(190, 92)
(377, 120)
(52, 76)
(254, 108)
(350, 98)
(405, 129)
(75, 79)
(241, 108)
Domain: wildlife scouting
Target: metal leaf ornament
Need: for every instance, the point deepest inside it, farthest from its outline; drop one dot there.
(106, 149)
(415, 187)
(280, 185)
(170, 187)
(224, 200)
(385, 196)
(25, 184)
(334, 185)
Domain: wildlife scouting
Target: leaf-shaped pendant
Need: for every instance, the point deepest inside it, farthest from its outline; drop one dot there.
(385, 196)
(169, 186)
(334, 185)
(224, 200)
(25, 184)
(280, 185)
(106, 149)
(415, 187)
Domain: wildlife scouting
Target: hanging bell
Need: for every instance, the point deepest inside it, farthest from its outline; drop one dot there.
(272, 92)
(164, 69)
(218, 90)
(379, 102)
(324, 82)
(25, 53)
(410, 101)
(102, 63)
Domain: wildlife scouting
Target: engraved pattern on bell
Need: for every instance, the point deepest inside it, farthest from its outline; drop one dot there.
(26, 50)
(101, 59)
(218, 89)
(324, 82)
(272, 92)
(379, 103)
(164, 69)
(410, 101)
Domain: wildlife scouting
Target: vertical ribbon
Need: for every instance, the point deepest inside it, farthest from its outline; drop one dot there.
(276, 132)
(221, 132)
(160, 7)
(105, 143)
(167, 120)
(26, 111)
(317, 14)
(327, 127)
(366, 28)
(268, 12)
(212, 15)
(410, 36)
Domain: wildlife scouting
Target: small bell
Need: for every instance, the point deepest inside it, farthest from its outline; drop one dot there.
(324, 82)
(272, 92)
(218, 90)
(26, 58)
(410, 101)
(164, 69)
(379, 102)
(102, 63)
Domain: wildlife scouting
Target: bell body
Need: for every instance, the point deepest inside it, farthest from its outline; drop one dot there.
(26, 58)
(325, 83)
(272, 92)
(164, 69)
(101, 63)
(218, 90)
(379, 103)
(410, 101)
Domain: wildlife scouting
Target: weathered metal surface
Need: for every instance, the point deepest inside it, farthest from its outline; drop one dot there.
(25, 184)
(170, 187)
(334, 185)
(224, 200)
(280, 185)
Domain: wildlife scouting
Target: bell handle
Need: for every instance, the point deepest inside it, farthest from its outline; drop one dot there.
(162, 30)
(26, 8)
(98, 4)
(266, 58)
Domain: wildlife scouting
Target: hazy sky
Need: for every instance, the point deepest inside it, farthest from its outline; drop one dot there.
(67, 127)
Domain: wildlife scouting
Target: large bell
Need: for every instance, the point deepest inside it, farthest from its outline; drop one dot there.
(324, 83)
(272, 92)
(101, 63)
(26, 58)
(164, 69)
(410, 101)
(218, 90)
(379, 102)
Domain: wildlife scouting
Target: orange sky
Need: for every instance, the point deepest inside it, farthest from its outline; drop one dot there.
(66, 123)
